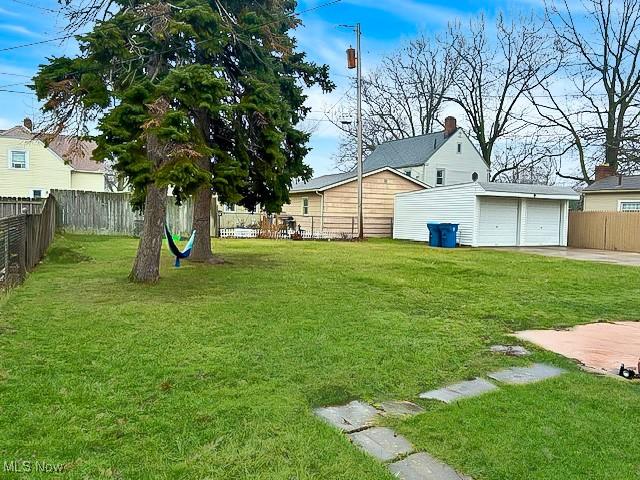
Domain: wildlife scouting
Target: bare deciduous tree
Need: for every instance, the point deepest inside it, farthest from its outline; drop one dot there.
(600, 111)
(401, 98)
(494, 76)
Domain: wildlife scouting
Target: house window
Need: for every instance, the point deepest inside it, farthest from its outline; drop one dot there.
(229, 208)
(407, 173)
(18, 159)
(440, 177)
(475, 176)
(37, 193)
(459, 148)
(305, 206)
(630, 206)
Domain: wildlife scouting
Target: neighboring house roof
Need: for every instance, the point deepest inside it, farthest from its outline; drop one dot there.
(407, 152)
(76, 153)
(615, 183)
(326, 182)
(528, 189)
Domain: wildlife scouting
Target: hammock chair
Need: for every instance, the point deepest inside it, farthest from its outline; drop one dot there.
(174, 248)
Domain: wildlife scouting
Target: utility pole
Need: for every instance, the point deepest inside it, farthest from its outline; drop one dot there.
(354, 61)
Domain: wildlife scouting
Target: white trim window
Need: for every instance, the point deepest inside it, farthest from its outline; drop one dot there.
(629, 206)
(229, 208)
(305, 206)
(18, 159)
(440, 177)
(459, 149)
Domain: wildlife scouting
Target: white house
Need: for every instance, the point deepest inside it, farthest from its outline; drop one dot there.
(29, 168)
(489, 214)
(437, 159)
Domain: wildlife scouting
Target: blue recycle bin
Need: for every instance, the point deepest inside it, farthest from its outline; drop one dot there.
(449, 234)
(434, 234)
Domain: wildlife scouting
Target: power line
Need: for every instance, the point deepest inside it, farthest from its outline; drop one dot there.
(15, 75)
(28, 4)
(122, 62)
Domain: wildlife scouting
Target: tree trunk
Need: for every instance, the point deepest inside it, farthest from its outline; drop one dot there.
(202, 225)
(146, 268)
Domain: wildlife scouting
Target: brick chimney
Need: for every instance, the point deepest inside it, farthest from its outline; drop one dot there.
(28, 124)
(450, 126)
(604, 171)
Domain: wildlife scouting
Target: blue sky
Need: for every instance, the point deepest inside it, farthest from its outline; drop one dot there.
(386, 24)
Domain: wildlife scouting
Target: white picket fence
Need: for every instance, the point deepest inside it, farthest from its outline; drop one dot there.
(284, 234)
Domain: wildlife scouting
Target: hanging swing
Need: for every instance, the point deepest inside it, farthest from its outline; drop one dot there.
(174, 248)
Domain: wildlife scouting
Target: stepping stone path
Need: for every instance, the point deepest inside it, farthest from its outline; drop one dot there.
(513, 350)
(400, 408)
(350, 417)
(422, 466)
(523, 375)
(457, 391)
(356, 419)
(382, 443)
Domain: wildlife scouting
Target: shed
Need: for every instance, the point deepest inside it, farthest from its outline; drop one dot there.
(489, 214)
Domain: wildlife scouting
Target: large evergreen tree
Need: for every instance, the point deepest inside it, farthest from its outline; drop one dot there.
(199, 95)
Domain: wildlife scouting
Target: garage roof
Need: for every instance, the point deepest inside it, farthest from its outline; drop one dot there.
(521, 189)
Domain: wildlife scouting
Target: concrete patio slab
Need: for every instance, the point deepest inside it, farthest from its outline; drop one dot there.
(457, 391)
(382, 443)
(422, 466)
(607, 256)
(524, 375)
(350, 417)
(400, 408)
(601, 347)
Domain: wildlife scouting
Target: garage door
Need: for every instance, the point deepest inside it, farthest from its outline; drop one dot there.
(498, 222)
(543, 222)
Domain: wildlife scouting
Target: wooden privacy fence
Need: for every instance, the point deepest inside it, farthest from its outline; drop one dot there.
(24, 240)
(605, 230)
(12, 206)
(105, 213)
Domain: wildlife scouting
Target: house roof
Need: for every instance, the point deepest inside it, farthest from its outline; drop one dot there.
(75, 152)
(406, 152)
(615, 183)
(333, 180)
(528, 189)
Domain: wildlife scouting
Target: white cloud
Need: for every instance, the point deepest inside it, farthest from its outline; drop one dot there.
(5, 123)
(8, 13)
(18, 29)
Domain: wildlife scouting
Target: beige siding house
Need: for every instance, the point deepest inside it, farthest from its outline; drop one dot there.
(28, 168)
(616, 193)
(329, 203)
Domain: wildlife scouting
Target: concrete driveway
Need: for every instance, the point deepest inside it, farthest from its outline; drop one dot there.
(620, 258)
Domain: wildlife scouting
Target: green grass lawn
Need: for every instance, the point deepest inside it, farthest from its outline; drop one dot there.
(213, 373)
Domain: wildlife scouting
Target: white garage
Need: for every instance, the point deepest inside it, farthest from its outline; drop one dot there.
(489, 214)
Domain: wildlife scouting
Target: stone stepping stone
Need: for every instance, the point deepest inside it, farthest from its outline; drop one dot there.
(513, 350)
(350, 417)
(382, 443)
(457, 391)
(422, 466)
(400, 408)
(524, 375)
